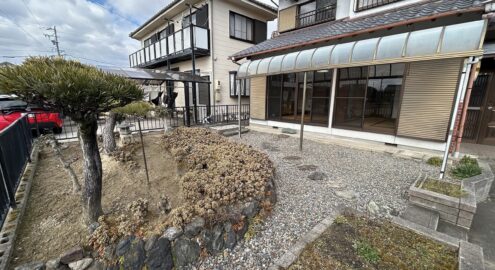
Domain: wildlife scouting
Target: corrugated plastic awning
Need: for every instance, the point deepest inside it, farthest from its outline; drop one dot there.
(153, 76)
(458, 40)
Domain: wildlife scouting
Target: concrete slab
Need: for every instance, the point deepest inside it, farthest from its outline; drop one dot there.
(421, 216)
(452, 230)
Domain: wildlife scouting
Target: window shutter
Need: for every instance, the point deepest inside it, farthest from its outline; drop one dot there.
(259, 31)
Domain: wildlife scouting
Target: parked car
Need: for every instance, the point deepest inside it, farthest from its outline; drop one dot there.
(12, 109)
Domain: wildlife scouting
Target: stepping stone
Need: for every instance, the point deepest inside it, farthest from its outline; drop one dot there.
(283, 136)
(421, 216)
(318, 176)
(346, 194)
(293, 159)
(269, 147)
(289, 131)
(307, 167)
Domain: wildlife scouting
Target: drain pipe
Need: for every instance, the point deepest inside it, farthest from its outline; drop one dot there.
(212, 46)
(465, 106)
(238, 103)
(462, 87)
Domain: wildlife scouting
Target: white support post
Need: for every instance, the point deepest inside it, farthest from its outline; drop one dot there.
(302, 112)
(332, 98)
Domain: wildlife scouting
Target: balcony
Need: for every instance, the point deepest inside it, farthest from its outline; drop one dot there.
(369, 4)
(323, 14)
(174, 48)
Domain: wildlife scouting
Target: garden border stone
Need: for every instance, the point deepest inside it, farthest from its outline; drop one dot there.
(13, 218)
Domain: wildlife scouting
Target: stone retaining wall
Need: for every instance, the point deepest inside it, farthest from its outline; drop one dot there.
(457, 211)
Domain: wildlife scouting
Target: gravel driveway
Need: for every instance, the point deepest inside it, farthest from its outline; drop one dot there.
(340, 176)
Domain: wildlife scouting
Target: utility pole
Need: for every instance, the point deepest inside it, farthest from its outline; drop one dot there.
(54, 38)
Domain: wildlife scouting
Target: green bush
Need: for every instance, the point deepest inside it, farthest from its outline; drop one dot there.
(467, 167)
(367, 252)
(435, 161)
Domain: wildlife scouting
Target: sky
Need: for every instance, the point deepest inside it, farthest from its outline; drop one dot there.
(91, 31)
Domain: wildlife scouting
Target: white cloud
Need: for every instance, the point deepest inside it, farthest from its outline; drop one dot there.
(95, 31)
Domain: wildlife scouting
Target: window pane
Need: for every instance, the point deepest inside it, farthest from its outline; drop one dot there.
(274, 93)
(341, 53)
(275, 64)
(364, 50)
(382, 105)
(243, 28)
(423, 42)
(320, 108)
(382, 70)
(232, 24)
(288, 96)
(263, 66)
(249, 30)
(348, 112)
(289, 61)
(391, 46)
(398, 69)
(304, 59)
(462, 37)
(232, 83)
(321, 57)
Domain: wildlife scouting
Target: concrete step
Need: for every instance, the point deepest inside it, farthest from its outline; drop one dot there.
(421, 216)
(232, 132)
(452, 230)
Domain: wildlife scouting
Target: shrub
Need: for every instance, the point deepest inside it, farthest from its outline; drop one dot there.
(435, 161)
(467, 167)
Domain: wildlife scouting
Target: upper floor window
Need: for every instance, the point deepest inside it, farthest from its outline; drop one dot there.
(241, 27)
(368, 4)
(247, 29)
(199, 18)
(167, 31)
(151, 40)
(316, 11)
(236, 85)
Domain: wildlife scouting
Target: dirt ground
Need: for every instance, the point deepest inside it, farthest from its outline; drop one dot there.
(52, 222)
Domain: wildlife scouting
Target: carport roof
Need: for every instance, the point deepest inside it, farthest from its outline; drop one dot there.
(153, 76)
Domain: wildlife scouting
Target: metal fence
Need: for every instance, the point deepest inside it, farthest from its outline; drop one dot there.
(15, 151)
(180, 116)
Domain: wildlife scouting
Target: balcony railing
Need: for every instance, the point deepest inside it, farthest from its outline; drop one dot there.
(323, 14)
(172, 46)
(368, 4)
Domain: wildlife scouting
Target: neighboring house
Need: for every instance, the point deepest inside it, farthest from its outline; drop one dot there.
(381, 70)
(221, 27)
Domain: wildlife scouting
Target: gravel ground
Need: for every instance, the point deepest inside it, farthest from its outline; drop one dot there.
(303, 202)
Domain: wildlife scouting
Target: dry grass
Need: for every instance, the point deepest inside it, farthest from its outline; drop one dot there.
(360, 243)
(443, 187)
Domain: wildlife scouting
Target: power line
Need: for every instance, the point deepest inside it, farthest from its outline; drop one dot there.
(113, 12)
(30, 12)
(22, 28)
(89, 59)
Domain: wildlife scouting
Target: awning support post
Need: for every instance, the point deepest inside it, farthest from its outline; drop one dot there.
(239, 110)
(460, 91)
(302, 112)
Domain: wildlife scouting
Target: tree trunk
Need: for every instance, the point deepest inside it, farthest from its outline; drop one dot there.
(92, 171)
(109, 145)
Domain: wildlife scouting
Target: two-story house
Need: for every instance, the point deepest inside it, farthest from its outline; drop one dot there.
(219, 29)
(391, 71)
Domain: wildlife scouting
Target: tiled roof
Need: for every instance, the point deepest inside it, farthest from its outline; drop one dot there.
(174, 2)
(336, 29)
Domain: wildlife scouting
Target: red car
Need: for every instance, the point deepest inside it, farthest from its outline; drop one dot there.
(12, 109)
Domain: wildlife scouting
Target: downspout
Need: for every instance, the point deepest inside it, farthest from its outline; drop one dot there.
(212, 52)
(467, 99)
(238, 103)
(462, 87)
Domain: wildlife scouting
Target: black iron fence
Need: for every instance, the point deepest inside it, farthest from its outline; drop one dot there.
(323, 14)
(179, 116)
(15, 151)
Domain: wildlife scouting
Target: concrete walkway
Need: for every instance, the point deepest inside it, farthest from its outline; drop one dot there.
(483, 229)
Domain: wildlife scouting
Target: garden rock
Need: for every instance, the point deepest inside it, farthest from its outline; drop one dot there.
(31, 266)
(318, 176)
(192, 229)
(81, 264)
(75, 254)
(52, 264)
(373, 208)
(289, 131)
(135, 255)
(159, 255)
(123, 246)
(172, 233)
(96, 265)
(230, 236)
(93, 226)
(242, 230)
(250, 209)
(346, 194)
(308, 167)
(185, 251)
(214, 239)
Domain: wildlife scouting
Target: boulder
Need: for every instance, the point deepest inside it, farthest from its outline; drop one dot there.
(123, 246)
(213, 239)
(194, 227)
(172, 233)
(81, 264)
(185, 251)
(96, 265)
(250, 209)
(159, 255)
(52, 264)
(229, 236)
(31, 266)
(373, 208)
(74, 254)
(134, 257)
